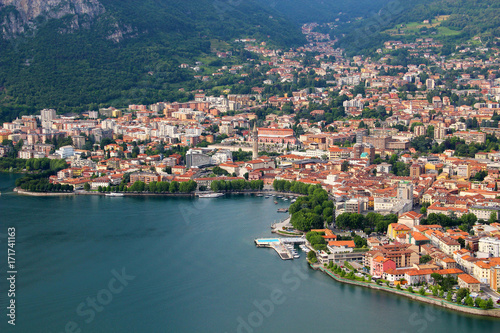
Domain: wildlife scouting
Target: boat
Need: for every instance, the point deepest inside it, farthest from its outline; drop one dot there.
(293, 200)
(267, 197)
(304, 248)
(259, 195)
(296, 256)
(210, 195)
(114, 194)
(276, 202)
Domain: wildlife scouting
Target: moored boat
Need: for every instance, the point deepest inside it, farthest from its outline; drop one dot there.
(210, 195)
(114, 194)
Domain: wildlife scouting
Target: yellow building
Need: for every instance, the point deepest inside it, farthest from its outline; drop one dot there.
(116, 113)
(495, 277)
(443, 175)
(396, 229)
(430, 166)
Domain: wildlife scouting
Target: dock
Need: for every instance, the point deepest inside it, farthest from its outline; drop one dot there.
(278, 244)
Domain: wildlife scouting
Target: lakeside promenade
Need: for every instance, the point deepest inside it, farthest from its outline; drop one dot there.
(495, 313)
(83, 192)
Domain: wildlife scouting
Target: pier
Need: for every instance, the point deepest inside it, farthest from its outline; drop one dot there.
(278, 244)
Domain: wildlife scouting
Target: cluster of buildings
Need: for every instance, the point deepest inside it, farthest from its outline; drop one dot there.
(350, 157)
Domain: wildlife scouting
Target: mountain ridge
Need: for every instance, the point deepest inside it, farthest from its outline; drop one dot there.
(80, 59)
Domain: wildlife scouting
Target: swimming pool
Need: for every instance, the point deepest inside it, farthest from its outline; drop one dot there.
(268, 240)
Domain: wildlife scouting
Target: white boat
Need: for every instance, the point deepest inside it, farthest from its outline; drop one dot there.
(210, 195)
(304, 248)
(114, 194)
(296, 256)
(293, 200)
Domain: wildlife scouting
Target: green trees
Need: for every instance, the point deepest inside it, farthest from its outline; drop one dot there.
(311, 256)
(316, 240)
(373, 221)
(34, 184)
(236, 185)
(312, 211)
(295, 187)
(425, 259)
(483, 304)
(86, 187)
(461, 294)
(160, 187)
(465, 222)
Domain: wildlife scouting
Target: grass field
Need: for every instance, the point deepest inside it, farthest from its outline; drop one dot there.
(218, 45)
(413, 28)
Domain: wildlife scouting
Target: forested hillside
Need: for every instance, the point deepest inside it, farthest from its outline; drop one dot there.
(450, 21)
(128, 53)
(304, 11)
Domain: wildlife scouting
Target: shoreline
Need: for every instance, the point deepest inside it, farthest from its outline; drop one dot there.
(193, 194)
(432, 300)
(42, 194)
(493, 313)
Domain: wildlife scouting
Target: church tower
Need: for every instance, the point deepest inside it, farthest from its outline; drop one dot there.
(255, 137)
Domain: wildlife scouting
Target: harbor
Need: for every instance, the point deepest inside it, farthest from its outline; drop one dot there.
(285, 247)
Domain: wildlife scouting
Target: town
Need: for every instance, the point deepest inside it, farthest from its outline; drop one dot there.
(417, 141)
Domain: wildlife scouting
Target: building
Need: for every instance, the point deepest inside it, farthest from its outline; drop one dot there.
(495, 277)
(65, 152)
(78, 141)
(410, 219)
(101, 181)
(471, 136)
(380, 265)
(396, 229)
(384, 167)
(379, 142)
(276, 136)
(405, 191)
(255, 144)
(146, 177)
(402, 254)
(196, 158)
(47, 115)
(468, 282)
(484, 212)
(463, 171)
(417, 238)
(416, 170)
(490, 245)
(439, 133)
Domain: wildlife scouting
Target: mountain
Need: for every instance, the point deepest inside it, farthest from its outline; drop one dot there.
(305, 11)
(450, 21)
(81, 54)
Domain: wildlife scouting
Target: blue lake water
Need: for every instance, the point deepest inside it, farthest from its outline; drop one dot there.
(156, 264)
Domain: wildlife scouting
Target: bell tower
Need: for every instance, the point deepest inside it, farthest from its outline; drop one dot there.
(255, 138)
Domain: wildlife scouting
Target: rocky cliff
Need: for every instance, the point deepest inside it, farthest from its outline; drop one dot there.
(22, 16)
